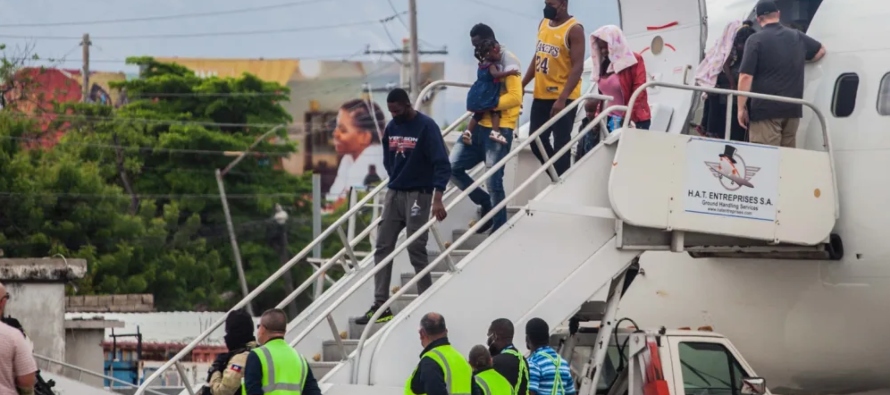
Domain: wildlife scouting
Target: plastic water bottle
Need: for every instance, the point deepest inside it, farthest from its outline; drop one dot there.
(614, 122)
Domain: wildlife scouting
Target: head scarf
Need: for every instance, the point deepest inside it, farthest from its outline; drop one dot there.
(712, 65)
(620, 55)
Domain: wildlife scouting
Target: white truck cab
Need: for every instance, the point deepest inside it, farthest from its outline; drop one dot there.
(662, 362)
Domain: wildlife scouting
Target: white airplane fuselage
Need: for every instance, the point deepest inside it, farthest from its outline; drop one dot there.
(808, 327)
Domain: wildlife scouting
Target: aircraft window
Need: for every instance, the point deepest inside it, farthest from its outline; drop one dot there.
(845, 89)
(884, 96)
(709, 369)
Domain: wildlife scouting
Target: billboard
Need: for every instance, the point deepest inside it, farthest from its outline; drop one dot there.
(338, 109)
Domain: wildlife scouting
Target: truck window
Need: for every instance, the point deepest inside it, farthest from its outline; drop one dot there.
(709, 369)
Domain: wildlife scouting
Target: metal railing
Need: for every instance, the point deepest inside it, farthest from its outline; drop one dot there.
(548, 164)
(82, 371)
(826, 137)
(346, 251)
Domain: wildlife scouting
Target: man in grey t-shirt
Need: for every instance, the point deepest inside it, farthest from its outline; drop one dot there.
(773, 64)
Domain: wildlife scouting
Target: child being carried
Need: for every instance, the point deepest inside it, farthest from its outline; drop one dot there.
(486, 91)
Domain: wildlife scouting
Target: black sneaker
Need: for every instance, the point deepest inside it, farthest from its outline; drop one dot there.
(487, 225)
(365, 319)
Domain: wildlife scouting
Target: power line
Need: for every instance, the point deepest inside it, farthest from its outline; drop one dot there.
(143, 148)
(207, 34)
(165, 17)
(150, 196)
(334, 57)
(504, 9)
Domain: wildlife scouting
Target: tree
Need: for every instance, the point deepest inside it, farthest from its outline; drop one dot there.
(133, 189)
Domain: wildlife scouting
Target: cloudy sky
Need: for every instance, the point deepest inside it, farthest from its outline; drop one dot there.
(329, 29)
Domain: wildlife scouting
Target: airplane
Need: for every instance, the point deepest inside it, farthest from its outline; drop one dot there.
(808, 327)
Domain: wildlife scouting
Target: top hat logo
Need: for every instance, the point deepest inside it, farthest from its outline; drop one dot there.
(728, 153)
(731, 169)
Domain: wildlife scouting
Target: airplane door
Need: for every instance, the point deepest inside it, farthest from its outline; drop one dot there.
(670, 35)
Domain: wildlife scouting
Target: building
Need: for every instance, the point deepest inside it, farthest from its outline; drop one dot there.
(318, 88)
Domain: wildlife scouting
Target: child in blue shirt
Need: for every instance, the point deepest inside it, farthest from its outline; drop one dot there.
(486, 91)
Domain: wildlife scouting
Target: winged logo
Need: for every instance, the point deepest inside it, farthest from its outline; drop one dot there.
(724, 170)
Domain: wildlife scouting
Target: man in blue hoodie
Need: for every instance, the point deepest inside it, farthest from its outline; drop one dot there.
(416, 160)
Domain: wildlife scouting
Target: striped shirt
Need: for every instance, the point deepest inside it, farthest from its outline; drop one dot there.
(16, 359)
(542, 373)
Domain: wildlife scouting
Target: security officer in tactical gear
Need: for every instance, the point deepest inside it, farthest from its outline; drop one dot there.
(439, 356)
(486, 380)
(227, 371)
(276, 368)
(506, 359)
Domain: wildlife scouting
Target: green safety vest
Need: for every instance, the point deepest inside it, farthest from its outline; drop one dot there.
(492, 383)
(558, 385)
(523, 371)
(458, 373)
(284, 370)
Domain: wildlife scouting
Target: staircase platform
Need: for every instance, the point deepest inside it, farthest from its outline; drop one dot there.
(674, 182)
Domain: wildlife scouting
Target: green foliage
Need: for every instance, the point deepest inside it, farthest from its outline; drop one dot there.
(133, 190)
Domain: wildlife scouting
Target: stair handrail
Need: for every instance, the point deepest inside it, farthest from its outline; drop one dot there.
(423, 229)
(88, 372)
(826, 137)
(598, 120)
(354, 242)
(293, 261)
(330, 262)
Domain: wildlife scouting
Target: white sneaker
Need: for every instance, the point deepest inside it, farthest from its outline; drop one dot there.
(498, 137)
(467, 137)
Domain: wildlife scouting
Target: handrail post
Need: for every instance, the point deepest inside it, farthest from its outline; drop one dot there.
(337, 339)
(185, 379)
(347, 246)
(438, 237)
(729, 117)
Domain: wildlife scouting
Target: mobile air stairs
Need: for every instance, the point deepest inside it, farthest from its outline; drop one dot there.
(577, 240)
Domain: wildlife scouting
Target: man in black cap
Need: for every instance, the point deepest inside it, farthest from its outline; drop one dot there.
(228, 369)
(773, 64)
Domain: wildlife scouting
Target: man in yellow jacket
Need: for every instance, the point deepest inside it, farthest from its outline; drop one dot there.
(438, 356)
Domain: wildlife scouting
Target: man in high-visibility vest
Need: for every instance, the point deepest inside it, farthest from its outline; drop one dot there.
(276, 368)
(442, 369)
(486, 380)
(506, 359)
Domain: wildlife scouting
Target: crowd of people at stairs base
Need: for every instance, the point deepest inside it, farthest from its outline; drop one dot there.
(770, 61)
(495, 369)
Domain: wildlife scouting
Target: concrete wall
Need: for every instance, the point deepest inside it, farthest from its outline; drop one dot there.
(83, 348)
(40, 307)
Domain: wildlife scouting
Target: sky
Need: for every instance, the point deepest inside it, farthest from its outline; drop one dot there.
(321, 29)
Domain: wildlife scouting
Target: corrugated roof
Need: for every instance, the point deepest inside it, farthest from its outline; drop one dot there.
(168, 327)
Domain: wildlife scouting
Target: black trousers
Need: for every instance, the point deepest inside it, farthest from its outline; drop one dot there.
(561, 132)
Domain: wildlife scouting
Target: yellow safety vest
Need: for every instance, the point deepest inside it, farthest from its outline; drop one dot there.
(458, 373)
(523, 371)
(284, 370)
(492, 383)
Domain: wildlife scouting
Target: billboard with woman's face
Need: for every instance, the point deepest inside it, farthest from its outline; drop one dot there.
(357, 134)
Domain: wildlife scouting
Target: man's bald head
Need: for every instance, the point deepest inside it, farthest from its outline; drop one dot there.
(274, 320)
(433, 324)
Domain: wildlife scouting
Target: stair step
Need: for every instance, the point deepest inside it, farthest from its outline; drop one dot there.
(402, 302)
(331, 352)
(320, 369)
(474, 241)
(355, 330)
(413, 289)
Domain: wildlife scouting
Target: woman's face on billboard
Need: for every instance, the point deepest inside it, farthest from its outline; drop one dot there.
(348, 138)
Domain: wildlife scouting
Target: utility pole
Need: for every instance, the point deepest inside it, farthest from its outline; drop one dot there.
(281, 218)
(415, 56)
(85, 82)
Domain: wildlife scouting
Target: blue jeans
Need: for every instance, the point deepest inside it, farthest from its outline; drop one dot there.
(464, 157)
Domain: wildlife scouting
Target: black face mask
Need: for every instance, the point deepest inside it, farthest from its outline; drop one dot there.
(549, 12)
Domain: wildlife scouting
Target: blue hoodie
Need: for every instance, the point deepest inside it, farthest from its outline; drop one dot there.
(415, 156)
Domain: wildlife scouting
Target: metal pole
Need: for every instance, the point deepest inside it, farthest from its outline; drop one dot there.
(235, 251)
(415, 55)
(350, 226)
(86, 68)
(316, 228)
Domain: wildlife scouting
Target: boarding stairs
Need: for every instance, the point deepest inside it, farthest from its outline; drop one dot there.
(577, 239)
